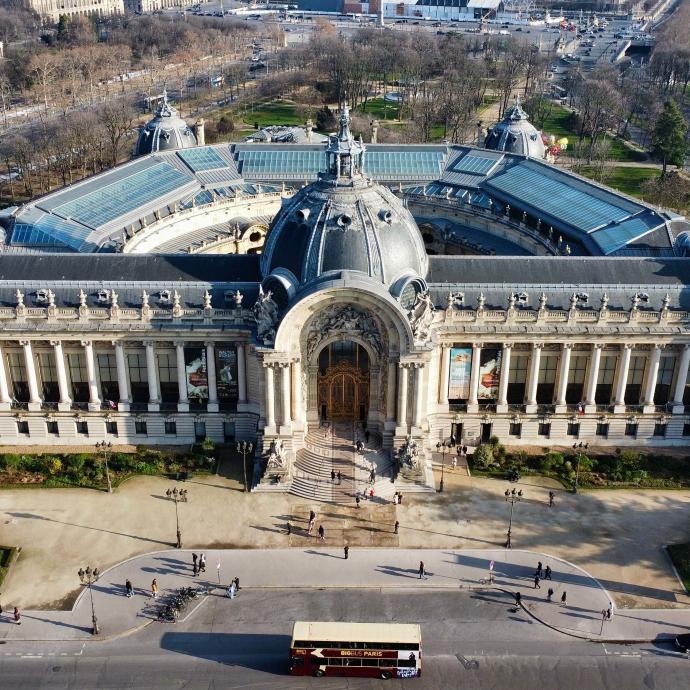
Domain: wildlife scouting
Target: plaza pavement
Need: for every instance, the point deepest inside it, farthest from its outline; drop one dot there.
(324, 567)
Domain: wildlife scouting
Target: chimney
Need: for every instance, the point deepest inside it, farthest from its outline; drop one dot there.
(199, 132)
(374, 131)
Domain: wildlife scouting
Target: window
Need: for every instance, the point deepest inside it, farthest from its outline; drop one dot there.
(660, 429)
(515, 429)
(167, 377)
(544, 428)
(107, 368)
(23, 428)
(140, 428)
(548, 366)
(602, 429)
(607, 372)
(80, 379)
(138, 377)
(82, 427)
(111, 428)
(517, 375)
(631, 429)
(686, 429)
(52, 428)
(229, 431)
(575, 391)
(20, 387)
(199, 431)
(633, 389)
(171, 428)
(662, 392)
(48, 374)
(574, 429)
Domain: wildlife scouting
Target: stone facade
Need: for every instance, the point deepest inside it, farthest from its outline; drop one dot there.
(50, 10)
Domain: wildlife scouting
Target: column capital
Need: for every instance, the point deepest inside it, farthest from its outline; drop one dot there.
(658, 346)
(598, 346)
(537, 346)
(148, 343)
(508, 346)
(86, 343)
(627, 346)
(567, 346)
(24, 343)
(178, 343)
(56, 343)
(210, 343)
(476, 346)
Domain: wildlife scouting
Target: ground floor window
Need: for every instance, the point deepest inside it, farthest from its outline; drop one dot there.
(544, 428)
(82, 428)
(140, 428)
(111, 428)
(660, 429)
(52, 428)
(631, 429)
(574, 429)
(515, 429)
(686, 429)
(602, 429)
(171, 428)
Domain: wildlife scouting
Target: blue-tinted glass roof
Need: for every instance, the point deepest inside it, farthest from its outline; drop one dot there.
(476, 163)
(50, 230)
(103, 205)
(555, 198)
(404, 163)
(617, 236)
(202, 159)
(276, 162)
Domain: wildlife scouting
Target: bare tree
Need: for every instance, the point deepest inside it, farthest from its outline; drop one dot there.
(117, 119)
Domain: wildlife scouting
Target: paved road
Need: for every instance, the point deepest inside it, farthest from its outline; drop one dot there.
(471, 640)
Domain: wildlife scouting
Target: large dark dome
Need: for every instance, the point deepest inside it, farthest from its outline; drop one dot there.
(344, 222)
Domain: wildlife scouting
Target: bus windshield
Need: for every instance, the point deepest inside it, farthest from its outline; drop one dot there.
(374, 650)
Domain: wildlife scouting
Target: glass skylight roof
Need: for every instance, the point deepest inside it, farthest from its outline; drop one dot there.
(476, 164)
(103, 205)
(262, 162)
(407, 163)
(202, 159)
(555, 198)
(617, 236)
(50, 230)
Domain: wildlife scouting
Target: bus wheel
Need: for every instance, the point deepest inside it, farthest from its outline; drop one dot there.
(319, 673)
(385, 675)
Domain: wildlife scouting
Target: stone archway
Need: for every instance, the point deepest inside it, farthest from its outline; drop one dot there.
(343, 381)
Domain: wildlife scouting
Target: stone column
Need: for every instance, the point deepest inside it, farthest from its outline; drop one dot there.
(211, 373)
(122, 377)
(535, 359)
(65, 400)
(681, 380)
(390, 393)
(473, 403)
(652, 375)
(298, 408)
(593, 376)
(241, 374)
(418, 396)
(152, 376)
(270, 412)
(622, 380)
(402, 398)
(183, 397)
(505, 375)
(444, 369)
(32, 381)
(563, 372)
(94, 400)
(285, 394)
(5, 397)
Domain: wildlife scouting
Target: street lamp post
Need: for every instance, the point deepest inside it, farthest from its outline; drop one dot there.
(245, 448)
(512, 497)
(87, 577)
(578, 448)
(106, 447)
(442, 447)
(175, 495)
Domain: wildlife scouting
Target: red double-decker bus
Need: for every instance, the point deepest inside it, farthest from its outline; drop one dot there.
(366, 650)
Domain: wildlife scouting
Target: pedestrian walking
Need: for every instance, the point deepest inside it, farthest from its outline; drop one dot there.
(17, 616)
(609, 611)
(371, 494)
(537, 572)
(194, 558)
(346, 551)
(564, 599)
(231, 590)
(339, 477)
(536, 582)
(372, 476)
(357, 499)
(551, 497)
(195, 571)
(396, 527)
(154, 588)
(129, 590)
(518, 599)
(549, 594)
(422, 570)
(322, 533)
(310, 527)
(547, 573)
(399, 498)
(202, 563)
(289, 528)
(464, 450)
(312, 516)
(455, 461)
(332, 476)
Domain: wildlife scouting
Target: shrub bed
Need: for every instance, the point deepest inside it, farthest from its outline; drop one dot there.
(88, 469)
(680, 555)
(620, 469)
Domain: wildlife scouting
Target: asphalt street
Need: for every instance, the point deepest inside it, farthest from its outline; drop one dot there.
(471, 640)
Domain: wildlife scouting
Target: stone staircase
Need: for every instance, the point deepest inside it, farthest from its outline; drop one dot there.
(331, 447)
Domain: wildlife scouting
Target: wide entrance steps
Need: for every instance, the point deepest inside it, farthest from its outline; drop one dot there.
(330, 448)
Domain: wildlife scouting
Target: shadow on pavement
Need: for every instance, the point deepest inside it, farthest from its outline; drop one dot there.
(267, 653)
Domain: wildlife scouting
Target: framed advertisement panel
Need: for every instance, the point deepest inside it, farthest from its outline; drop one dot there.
(489, 373)
(196, 373)
(459, 373)
(226, 372)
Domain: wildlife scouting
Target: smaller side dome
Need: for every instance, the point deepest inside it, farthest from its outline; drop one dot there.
(166, 131)
(516, 134)
(682, 244)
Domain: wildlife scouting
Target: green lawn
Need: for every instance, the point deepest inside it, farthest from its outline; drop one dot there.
(272, 113)
(380, 108)
(680, 555)
(626, 179)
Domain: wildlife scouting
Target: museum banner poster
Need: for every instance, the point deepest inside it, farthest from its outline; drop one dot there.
(196, 372)
(226, 372)
(460, 368)
(489, 373)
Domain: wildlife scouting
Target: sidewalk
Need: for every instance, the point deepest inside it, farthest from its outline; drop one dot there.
(324, 567)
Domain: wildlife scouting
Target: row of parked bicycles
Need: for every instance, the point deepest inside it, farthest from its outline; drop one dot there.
(170, 609)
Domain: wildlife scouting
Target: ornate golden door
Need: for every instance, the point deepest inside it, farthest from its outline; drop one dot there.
(344, 392)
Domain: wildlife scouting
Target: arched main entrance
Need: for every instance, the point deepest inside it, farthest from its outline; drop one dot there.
(343, 381)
